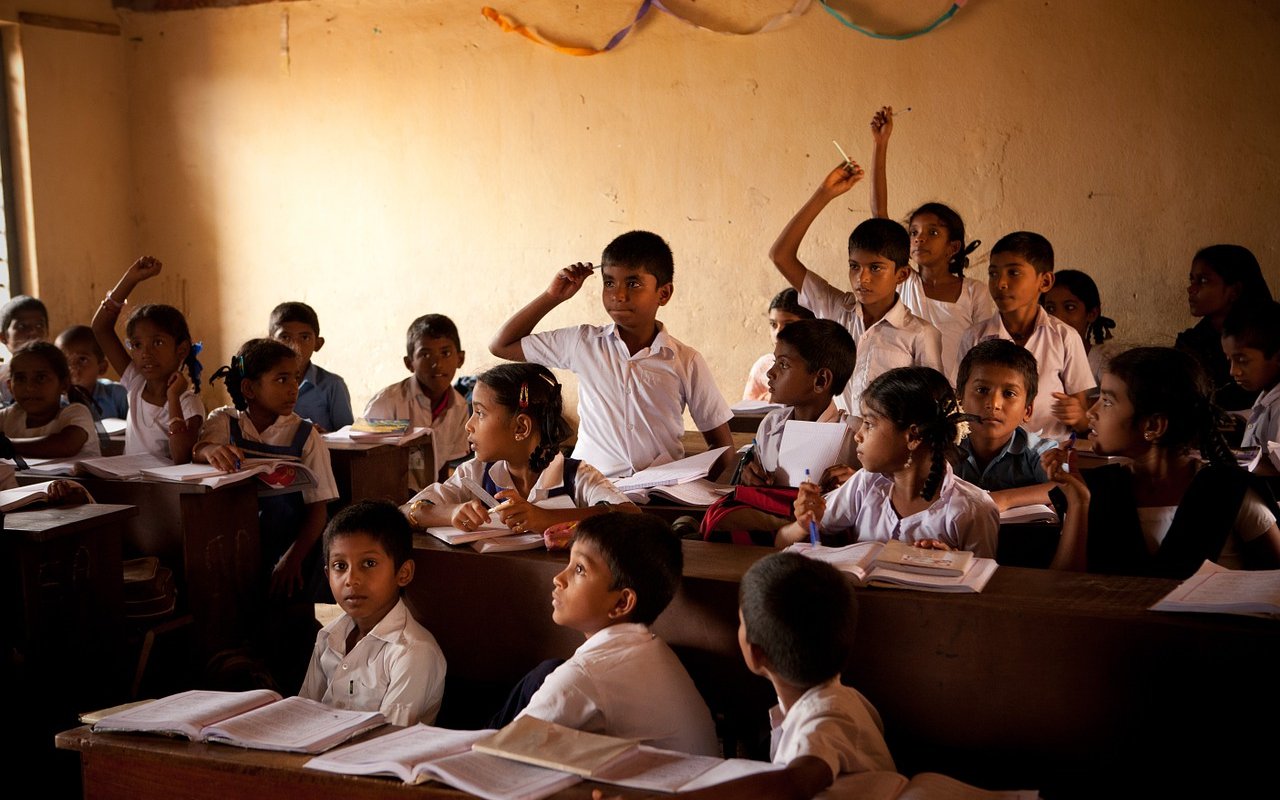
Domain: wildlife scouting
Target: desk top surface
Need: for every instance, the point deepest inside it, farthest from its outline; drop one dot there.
(55, 521)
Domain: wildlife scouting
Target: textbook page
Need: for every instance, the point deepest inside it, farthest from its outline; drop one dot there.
(402, 754)
(1216, 589)
(494, 527)
(295, 725)
(546, 744)
(655, 770)
(21, 496)
(807, 445)
(123, 467)
(701, 492)
(52, 466)
(186, 713)
(496, 778)
(682, 471)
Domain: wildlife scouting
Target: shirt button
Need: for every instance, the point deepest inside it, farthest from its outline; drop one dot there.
(345, 666)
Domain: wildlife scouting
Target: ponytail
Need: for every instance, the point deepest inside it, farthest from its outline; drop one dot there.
(194, 367)
(232, 375)
(960, 261)
(922, 396)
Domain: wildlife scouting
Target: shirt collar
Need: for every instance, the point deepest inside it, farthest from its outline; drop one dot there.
(1267, 398)
(310, 375)
(604, 636)
(388, 629)
(551, 478)
(660, 342)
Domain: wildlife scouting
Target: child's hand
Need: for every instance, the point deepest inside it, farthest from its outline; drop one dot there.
(841, 179)
(834, 476)
(810, 505)
(882, 125)
(1068, 410)
(470, 516)
(568, 281)
(66, 493)
(143, 268)
(226, 457)
(519, 514)
(1054, 463)
(559, 536)
(177, 385)
(286, 575)
(931, 544)
(754, 475)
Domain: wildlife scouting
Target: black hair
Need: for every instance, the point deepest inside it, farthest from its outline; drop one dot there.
(381, 520)
(532, 389)
(1082, 286)
(950, 220)
(823, 344)
(1171, 383)
(1031, 247)
(642, 554)
(1237, 265)
(293, 311)
(16, 305)
(788, 301)
(171, 321)
(1000, 353)
(641, 250)
(431, 326)
(920, 396)
(80, 335)
(57, 361)
(802, 614)
(884, 237)
(1256, 325)
(253, 360)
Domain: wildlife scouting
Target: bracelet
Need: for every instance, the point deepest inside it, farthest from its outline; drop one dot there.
(413, 511)
(111, 302)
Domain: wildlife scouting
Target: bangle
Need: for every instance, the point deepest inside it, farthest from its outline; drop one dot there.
(413, 511)
(112, 303)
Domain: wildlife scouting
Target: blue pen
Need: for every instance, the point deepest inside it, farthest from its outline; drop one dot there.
(813, 526)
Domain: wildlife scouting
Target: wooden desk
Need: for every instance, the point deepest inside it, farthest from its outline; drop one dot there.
(747, 422)
(370, 472)
(1046, 679)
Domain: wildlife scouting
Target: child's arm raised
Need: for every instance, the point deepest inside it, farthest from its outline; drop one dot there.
(785, 251)
(1072, 552)
(104, 319)
(881, 130)
(566, 283)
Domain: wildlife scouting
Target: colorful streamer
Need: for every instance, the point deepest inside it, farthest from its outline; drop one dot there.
(896, 37)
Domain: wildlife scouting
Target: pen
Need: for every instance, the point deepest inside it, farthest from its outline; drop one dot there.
(813, 526)
(1071, 453)
(843, 154)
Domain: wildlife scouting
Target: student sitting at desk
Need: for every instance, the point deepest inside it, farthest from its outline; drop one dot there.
(23, 319)
(784, 309)
(1251, 340)
(635, 379)
(375, 657)
(516, 429)
(39, 425)
(322, 396)
(88, 365)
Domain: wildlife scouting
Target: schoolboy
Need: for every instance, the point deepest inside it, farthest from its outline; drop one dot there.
(1020, 271)
(1251, 341)
(623, 681)
(997, 381)
(887, 334)
(634, 378)
(427, 398)
(796, 621)
(23, 319)
(322, 396)
(376, 656)
(88, 365)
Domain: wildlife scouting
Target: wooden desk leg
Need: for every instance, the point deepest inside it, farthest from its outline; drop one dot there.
(220, 555)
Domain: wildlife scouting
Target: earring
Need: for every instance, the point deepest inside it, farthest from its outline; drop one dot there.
(1150, 436)
(910, 456)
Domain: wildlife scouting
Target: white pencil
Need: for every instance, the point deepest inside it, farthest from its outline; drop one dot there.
(843, 154)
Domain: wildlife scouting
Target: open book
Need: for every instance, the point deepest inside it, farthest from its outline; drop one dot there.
(122, 467)
(1037, 512)
(880, 785)
(546, 744)
(700, 492)
(673, 472)
(278, 473)
(1215, 589)
(494, 527)
(859, 560)
(257, 719)
(509, 544)
(22, 496)
(51, 466)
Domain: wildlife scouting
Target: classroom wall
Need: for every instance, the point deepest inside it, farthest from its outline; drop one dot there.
(384, 159)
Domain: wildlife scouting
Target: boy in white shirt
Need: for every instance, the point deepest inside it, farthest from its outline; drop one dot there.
(376, 656)
(887, 334)
(635, 379)
(1251, 341)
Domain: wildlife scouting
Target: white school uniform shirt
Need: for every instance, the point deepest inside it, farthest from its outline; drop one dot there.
(589, 486)
(962, 515)
(624, 681)
(406, 400)
(769, 435)
(147, 425)
(315, 455)
(757, 386)
(974, 305)
(13, 422)
(1060, 359)
(397, 668)
(1264, 424)
(631, 408)
(898, 339)
(832, 722)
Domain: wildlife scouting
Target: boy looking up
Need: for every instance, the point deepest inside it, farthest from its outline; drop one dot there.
(635, 379)
(997, 381)
(1021, 269)
(1251, 341)
(23, 319)
(88, 364)
(322, 396)
(887, 334)
(376, 656)
(427, 398)
(623, 681)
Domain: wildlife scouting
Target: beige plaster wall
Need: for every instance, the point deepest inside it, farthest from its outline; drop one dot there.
(383, 159)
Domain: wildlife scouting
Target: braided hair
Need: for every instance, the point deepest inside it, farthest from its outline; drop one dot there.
(1082, 286)
(921, 396)
(532, 390)
(950, 220)
(1169, 382)
(254, 359)
(171, 321)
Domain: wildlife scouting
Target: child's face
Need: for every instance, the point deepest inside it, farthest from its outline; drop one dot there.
(491, 428)
(790, 381)
(1250, 367)
(631, 295)
(301, 337)
(1014, 282)
(874, 278)
(26, 326)
(84, 364)
(155, 353)
(434, 362)
(276, 390)
(931, 240)
(998, 395)
(581, 598)
(779, 319)
(882, 446)
(35, 386)
(364, 579)
(1207, 293)
(1061, 303)
(1112, 419)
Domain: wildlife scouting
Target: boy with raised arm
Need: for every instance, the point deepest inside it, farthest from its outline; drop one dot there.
(635, 379)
